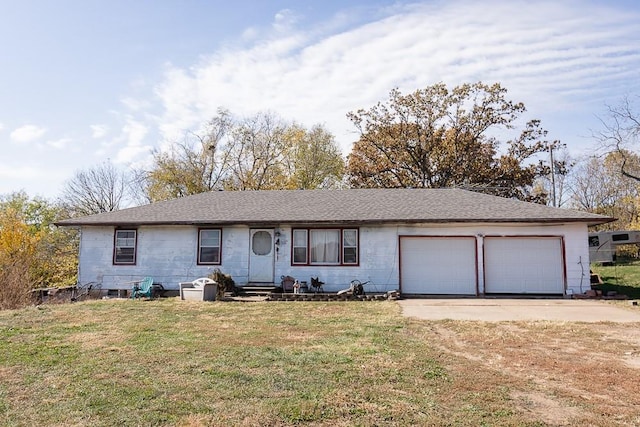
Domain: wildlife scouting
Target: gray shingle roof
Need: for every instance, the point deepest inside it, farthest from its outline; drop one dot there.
(355, 206)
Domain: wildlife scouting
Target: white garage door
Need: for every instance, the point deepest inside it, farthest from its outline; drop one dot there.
(523, 265)
(438, 265)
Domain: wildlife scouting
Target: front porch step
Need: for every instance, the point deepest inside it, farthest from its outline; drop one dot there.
(256, 289)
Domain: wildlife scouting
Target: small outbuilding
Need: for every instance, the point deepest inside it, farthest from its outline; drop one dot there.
(418, 241)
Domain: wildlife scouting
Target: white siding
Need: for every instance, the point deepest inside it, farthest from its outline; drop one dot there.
(168, 254)
(379, 262)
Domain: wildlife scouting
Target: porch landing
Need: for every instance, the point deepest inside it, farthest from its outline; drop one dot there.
(256, 289)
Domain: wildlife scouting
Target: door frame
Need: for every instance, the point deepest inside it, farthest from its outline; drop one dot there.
(256, 276)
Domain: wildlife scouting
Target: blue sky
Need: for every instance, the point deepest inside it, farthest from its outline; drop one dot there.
(82, 81)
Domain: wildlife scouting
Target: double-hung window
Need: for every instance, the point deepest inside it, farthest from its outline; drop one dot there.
(300, 245)
(124, 248)
(321, 246)
(209, 241)
(349, 246)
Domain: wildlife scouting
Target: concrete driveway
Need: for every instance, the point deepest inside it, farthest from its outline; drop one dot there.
(507, 309)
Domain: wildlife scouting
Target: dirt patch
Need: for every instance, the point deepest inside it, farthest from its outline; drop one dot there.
(558, 374)
(544, 408)
(626, 341)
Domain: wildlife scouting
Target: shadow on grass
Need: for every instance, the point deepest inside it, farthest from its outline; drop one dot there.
(622, 277)
(630, 291)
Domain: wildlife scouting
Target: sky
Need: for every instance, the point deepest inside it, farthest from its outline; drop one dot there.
(88, 81)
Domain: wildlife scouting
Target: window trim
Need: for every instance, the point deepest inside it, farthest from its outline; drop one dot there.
(115, 246)
(199, 247)
(294, 247)
(356, 246)
(340, 262)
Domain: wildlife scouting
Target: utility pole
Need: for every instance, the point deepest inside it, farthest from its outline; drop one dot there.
(553, 177)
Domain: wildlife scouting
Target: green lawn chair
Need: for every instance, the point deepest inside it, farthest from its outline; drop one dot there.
(143, 289)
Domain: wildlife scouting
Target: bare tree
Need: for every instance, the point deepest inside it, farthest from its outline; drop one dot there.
(620, 133)
(102, 188)
(557, 182)
(138, 187)
(260, 152)
(597, 186)
(189, 167)
(194, 165)
(255, 152)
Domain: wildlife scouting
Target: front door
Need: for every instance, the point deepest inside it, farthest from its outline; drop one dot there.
(261, 255)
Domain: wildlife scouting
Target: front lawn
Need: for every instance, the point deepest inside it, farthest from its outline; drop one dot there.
(622, 277)
(171, 362)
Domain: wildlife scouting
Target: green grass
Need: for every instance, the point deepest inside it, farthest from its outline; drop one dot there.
(623, 277)
(169, 362)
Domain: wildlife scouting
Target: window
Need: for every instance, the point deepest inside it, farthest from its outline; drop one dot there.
(325, 247)
(349, 246)
(261, 243)
(619, 237)
(124, 251)
(209, 246)
(299, 246)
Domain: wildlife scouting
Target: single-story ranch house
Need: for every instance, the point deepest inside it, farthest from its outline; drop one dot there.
(418, 241)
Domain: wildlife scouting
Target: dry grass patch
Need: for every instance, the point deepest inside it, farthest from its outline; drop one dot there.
(548, 410)
(558, 373)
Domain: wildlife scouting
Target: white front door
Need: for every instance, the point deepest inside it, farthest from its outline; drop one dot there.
(261, 255)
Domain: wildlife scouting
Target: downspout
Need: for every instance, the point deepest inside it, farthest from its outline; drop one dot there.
(79, 252)
(581, 273)
(480, 290)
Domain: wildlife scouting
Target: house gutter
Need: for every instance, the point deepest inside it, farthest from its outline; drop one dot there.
(589, 222)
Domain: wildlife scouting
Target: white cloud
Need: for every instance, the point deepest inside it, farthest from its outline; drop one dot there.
(178, 95)
(36, 176)
(27, 133)
(556, 57)
(250, 33)
(135, 104)
(552, 56)
(9, 174)
(59, 144)
(284, 20)
(134, 133)
(99, 131)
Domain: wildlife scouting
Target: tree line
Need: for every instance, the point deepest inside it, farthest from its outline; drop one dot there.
(471, 136)
(467, 136)
(33, 252)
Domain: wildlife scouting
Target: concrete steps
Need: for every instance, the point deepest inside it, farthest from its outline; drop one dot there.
(256, 289)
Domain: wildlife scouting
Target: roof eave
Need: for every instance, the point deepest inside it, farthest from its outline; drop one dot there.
(588, 221)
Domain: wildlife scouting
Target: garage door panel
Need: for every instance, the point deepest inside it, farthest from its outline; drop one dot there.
(438, 265)
(526, 265)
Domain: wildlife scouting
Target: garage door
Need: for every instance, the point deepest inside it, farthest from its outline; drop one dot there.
(523, 265)
(438, 265)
